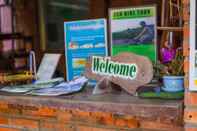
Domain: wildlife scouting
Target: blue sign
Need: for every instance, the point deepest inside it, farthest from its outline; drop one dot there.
(83, 39)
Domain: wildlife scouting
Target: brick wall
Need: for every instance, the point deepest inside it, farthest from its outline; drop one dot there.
(190, 113)
(37, 116)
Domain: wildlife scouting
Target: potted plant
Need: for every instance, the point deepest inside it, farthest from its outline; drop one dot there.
(172, 73)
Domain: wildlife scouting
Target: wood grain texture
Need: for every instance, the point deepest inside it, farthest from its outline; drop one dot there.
(144, 73)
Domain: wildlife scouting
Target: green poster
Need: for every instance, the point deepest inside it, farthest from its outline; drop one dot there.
(134, 30)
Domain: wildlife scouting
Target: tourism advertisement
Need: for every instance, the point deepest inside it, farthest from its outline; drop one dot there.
(83, 39)
(133, 29)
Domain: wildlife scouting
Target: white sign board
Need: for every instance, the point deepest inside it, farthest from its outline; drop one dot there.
(48, 66)
(193, 47)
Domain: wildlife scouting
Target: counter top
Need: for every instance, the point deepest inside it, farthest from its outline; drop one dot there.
(169, 111)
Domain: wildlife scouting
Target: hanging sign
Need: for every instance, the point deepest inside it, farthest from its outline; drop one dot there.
(127, 70)
(133, 29)
(193, 47)
(82, 40)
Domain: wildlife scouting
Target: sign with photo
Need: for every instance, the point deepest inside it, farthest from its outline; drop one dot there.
(83, 39)
(133, 30)
(193, 47)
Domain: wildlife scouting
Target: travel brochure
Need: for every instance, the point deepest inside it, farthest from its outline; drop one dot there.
(63, 88)
(34, 86)
(53, 87)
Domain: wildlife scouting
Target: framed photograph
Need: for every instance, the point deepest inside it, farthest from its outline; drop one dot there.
(133, 29)
(193, 47)
(83, 39)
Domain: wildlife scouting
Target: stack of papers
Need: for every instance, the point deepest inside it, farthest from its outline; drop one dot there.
(54, 87)
(62, 89)
(30, 87)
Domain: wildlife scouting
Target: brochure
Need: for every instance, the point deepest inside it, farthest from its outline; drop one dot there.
(29, 87)
(62, 88)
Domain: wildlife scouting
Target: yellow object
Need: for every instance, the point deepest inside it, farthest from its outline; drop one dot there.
(195, 82)
(5, 78)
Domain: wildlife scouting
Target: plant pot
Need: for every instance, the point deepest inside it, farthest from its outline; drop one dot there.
(173, 83)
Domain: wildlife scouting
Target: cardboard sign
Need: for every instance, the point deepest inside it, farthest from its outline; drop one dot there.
(127, 70)
(83, 39)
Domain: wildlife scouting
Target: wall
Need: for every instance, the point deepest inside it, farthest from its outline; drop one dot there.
(190, 116)
(26, 22)
(83, 112)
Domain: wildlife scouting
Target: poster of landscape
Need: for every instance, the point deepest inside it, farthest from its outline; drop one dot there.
(133, 30)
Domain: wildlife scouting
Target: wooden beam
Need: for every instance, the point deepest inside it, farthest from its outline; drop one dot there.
(178, 29)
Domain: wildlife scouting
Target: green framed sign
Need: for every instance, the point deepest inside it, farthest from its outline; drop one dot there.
(133, 29)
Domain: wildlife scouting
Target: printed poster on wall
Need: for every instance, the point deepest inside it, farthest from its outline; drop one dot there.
(193, 47)
(83, 39)
(133, 30)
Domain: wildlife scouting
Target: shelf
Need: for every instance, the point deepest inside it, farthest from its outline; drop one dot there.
(5, 5)
(167, 28)
(11, 36)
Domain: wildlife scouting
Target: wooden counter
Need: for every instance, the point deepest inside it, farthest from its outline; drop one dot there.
(85, 112)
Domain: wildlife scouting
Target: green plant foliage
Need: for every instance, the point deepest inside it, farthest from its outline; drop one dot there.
(173, 68)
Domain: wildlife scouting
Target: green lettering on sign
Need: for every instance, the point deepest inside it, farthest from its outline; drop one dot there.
(133, 13)
(104, 66)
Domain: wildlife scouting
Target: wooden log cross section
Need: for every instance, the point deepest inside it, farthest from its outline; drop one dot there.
(138, 70)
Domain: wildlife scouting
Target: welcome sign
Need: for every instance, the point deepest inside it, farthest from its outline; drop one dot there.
(104, 66)
(127, 70)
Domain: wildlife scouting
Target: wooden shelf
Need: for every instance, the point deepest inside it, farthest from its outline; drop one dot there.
(178, 29)
(11, 36)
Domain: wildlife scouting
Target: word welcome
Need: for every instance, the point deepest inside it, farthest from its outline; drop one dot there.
(104, 66)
